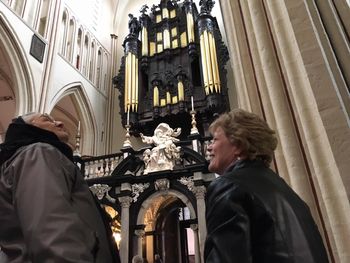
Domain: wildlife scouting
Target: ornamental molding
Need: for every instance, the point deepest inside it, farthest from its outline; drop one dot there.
(101, 190)
(137, 189)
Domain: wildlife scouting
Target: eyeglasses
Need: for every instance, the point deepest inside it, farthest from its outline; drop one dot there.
(48, 117)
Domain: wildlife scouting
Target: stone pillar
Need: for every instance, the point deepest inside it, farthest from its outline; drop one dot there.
(199, 191)
(125, 202)
(140, 233)
(194, 228)
(111, 95)
(52, 36)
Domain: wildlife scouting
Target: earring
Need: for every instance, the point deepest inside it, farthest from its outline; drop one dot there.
(238, 158)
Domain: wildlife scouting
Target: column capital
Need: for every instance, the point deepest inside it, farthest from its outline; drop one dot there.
(194, 227)
(199, 191)
(140, 232)
(114, 36)
(125, 201)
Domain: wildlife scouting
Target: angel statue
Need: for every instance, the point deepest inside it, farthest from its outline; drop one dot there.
(165, 153)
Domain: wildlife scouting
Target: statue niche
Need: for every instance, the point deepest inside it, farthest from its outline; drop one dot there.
(165, 153)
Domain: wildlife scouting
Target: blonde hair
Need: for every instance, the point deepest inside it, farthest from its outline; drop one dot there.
(248, 132)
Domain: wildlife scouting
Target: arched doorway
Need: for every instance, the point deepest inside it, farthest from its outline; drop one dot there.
(169, 231)
(173, 237)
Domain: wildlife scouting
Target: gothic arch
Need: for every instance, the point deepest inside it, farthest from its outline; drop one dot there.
(84, 113)
(21, 79)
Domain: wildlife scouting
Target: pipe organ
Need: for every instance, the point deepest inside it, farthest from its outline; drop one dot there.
(171, 54)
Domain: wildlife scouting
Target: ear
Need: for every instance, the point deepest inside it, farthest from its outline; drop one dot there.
(238, 152)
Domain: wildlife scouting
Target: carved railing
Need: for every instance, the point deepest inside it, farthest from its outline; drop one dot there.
(99, 166)
(105, 165)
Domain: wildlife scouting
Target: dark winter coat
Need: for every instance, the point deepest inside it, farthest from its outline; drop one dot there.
(254, 216)
(47, 213)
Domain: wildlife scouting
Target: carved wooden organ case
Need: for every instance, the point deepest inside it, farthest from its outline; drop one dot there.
(174, 63)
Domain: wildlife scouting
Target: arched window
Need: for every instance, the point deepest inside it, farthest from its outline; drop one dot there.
(92, 61)
(18, 6)
(44, 9)
(86, 55)
(98, 68)
(78, 49)
(70, 40)
(30, 13)
(105, 71)
(63, 32)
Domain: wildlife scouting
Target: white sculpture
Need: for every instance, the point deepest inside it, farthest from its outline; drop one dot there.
(165, 153)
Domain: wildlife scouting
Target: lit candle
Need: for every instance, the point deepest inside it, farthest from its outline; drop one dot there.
(192, 103)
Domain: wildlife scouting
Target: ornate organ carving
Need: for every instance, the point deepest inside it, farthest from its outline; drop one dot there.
(172, 54)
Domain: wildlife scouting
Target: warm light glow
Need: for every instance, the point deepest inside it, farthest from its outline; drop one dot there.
(117, 237)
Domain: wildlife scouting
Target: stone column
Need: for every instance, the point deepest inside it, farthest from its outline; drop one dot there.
(194, 228)
(199, 191)
(111, 95)
(125, 202)
(140, 233)
(52, 37)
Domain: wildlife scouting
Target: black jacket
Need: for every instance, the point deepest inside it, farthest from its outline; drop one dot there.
(254, 216)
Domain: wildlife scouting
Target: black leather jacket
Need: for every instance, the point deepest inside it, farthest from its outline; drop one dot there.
(254, 216)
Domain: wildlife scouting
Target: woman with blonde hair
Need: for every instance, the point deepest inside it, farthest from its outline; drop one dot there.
(252, 214)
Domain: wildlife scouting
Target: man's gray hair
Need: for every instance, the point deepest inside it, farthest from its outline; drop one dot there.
(28, 117)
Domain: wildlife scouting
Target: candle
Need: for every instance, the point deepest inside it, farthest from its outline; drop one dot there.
(192, 103)
(78, 127)
(127, 117)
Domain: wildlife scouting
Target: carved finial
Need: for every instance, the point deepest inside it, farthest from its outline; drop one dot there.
(154, 9)
(143, 9)
(175, 2)
(206, 6)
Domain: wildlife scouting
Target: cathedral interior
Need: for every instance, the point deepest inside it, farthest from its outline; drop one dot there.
(137, 84)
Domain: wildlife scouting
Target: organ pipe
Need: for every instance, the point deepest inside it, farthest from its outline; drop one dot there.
(204, 65)
(168, 98)
(144, 39)
(216, 66)
(166, 38)
(133, 81)
(190, 27)
(209, 62)
(210, 67)
(155, 96)
(213, 59)
(180, 90)
(137, 85)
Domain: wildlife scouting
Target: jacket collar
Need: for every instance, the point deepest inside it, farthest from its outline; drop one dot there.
(239, 164)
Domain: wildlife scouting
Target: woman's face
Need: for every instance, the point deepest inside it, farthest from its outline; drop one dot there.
(222, 152)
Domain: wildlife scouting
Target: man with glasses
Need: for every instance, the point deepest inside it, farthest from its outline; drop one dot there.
(47, 211)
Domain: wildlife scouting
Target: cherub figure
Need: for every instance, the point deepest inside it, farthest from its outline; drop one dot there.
(165, 152)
